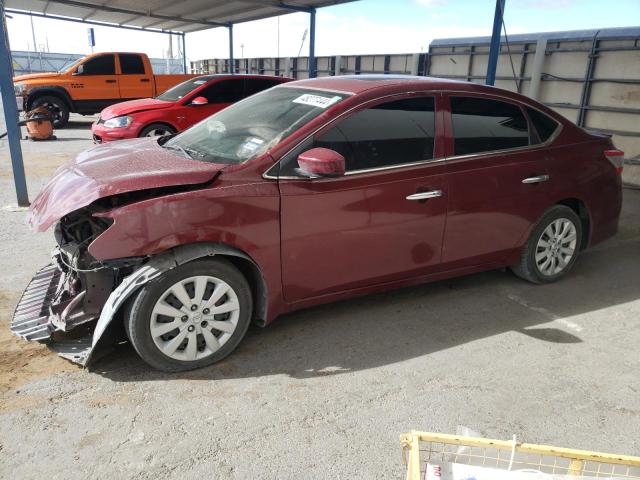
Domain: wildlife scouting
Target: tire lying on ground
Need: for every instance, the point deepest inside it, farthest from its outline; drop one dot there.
(57, 107)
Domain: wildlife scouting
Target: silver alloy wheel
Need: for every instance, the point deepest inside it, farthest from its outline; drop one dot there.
(193, 318)
(556, 247)
(157, 132)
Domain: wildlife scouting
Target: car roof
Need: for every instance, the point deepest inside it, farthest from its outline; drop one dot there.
(217, 76)
(356, 84)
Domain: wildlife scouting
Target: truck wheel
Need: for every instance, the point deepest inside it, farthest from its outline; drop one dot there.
(156, 130)
(192, 316)
(56, 106)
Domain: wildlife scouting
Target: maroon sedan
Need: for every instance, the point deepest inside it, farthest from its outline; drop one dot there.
(179, 107)
(310, 192)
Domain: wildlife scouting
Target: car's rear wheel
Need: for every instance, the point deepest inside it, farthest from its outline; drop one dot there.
(157, 130)
(57, 107)
(192, 316)
(552, 247)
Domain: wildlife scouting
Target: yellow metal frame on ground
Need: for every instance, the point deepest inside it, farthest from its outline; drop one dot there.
(419, 448)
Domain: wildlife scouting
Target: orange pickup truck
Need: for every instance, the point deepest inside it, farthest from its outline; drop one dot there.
(91, 84)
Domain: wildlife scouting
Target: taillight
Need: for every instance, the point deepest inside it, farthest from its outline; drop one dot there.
(616, 157)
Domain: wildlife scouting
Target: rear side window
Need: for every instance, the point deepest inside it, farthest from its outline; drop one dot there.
(483, 125)
(544, 125)
(255, 85)
(131, 64)
(227, 91)
(102, 65)
(392, 133)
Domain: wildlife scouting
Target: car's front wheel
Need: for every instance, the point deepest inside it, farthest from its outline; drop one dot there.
(157, 130)
(552, 247)
(192, 316)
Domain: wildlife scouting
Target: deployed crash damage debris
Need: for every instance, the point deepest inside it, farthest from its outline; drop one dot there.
(70, 291)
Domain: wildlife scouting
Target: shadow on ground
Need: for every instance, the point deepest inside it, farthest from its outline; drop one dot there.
(404, 324)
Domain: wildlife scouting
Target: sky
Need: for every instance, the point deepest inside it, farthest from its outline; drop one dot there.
(362, 27)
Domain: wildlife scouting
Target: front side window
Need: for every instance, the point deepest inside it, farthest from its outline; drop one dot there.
(179, 91)
(249, 128)
(545, 126)
(102, 65)
(131, 64)
(227, 91)
(255, 85)
(392, 133)
(484, 125)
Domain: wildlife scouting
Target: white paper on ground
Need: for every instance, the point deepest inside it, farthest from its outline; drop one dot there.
(459, 471)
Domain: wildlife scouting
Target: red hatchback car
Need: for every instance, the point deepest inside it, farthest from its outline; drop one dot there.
(179, 107)
(310, 192)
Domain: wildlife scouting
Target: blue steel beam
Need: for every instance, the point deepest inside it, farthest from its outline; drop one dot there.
(494, 50)
(11, 113)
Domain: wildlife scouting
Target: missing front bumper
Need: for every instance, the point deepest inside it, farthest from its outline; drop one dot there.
(35, 317)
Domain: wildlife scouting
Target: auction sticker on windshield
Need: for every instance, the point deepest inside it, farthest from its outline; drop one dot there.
(316, 100)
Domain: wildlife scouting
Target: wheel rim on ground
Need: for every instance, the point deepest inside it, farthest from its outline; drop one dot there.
(556, 247)
(194, 318)
(157, 132)
(54, 110)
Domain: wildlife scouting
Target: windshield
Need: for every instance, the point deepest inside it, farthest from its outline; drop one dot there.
(179, 91)
(249, 128)
(70, 64)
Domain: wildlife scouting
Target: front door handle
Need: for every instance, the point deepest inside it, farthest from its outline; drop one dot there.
(536, 179)
(425, 195)
(110, 81)
(145, 80)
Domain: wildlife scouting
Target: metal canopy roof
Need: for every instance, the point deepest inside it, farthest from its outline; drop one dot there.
(169, 15)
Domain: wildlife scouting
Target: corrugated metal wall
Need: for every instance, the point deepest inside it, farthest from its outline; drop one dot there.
(592, 77)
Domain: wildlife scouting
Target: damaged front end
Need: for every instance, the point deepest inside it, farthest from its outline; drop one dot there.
(71, 291)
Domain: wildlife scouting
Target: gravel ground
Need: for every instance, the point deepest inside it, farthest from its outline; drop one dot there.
(325, 393)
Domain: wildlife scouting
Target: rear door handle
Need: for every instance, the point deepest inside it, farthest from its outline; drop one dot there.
(536, 179)
(110, 81)
(425, 195)
(145, 80)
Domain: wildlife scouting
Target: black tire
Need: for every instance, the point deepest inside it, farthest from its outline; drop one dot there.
(57, 107)
(157, 127)
(138, 313)
(528, 269)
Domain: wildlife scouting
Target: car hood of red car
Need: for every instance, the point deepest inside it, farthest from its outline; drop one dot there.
(133, 106)
(112, 169)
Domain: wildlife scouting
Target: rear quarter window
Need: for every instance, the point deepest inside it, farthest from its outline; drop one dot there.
(544, 125)
(486, 125)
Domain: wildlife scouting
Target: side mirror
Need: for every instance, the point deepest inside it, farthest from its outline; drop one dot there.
(321, 162)
(79, 70)
(199, 101)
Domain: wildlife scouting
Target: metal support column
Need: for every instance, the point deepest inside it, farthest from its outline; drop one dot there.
(494, 51)
(184, 54)
(588, 79)
(231, 60)
(312, 43)
(11, 113)
(536, 69)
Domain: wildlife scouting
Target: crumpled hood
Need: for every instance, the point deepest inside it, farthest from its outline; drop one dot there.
(111, 169)
(132, 106)
(35, 76)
